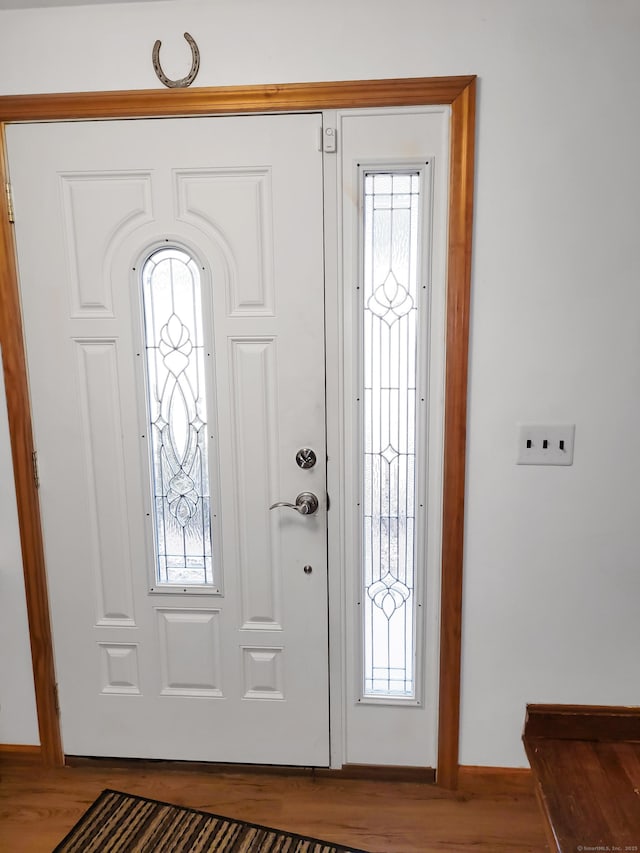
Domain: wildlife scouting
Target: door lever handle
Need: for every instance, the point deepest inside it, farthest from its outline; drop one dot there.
(306, 503)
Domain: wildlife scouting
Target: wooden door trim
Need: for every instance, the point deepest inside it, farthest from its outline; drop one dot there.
(22, 449)
(459, 92)
(288, 97)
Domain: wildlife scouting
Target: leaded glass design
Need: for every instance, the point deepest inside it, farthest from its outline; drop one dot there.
(177, 418)
(389, 354)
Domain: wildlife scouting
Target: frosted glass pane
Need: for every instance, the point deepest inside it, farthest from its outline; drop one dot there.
(177, 418)
(389, 321)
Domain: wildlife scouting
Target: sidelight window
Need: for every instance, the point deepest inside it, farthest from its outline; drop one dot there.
(389, 317)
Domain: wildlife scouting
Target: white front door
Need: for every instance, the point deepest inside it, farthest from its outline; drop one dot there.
(189, 620)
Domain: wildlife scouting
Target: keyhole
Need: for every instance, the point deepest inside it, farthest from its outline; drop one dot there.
(308, 569)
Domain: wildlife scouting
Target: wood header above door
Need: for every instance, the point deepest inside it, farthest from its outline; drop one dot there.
(230, 99)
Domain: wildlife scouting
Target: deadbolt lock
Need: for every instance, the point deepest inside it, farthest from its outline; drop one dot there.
(306, 458)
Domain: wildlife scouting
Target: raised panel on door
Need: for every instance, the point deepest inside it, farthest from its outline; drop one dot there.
(237, 671)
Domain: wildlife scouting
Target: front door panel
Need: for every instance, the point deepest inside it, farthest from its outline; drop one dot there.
(237, 672)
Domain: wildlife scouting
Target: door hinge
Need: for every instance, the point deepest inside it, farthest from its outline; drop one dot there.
(36, 475)
(9, 202)
(56, 699)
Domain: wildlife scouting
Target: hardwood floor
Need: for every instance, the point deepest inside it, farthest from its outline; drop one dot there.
(38, 806)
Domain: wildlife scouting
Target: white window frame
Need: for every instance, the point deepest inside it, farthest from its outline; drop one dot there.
(356, 334)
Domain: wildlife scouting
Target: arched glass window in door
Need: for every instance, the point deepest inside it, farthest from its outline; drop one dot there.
(177, 406)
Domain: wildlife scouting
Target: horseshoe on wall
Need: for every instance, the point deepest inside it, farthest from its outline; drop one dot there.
(184, 81)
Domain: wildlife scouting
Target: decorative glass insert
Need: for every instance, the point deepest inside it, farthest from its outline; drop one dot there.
(177, 418)
(389, 361)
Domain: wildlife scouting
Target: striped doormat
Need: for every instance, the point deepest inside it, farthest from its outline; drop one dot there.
(124, 823)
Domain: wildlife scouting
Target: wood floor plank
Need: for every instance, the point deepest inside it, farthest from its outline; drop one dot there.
(39, 805)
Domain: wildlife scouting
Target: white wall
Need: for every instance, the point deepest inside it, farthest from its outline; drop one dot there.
(552, 583)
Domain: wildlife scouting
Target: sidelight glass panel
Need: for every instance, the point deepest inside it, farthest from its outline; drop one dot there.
(177, 418)
(389, 361)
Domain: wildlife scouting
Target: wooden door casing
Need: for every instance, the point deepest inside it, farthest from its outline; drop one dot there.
(460, 93)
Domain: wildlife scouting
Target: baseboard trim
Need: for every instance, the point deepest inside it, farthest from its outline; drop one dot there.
(507, 781)
(22, 752)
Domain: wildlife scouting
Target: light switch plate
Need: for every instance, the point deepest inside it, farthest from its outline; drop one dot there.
(550, 444)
